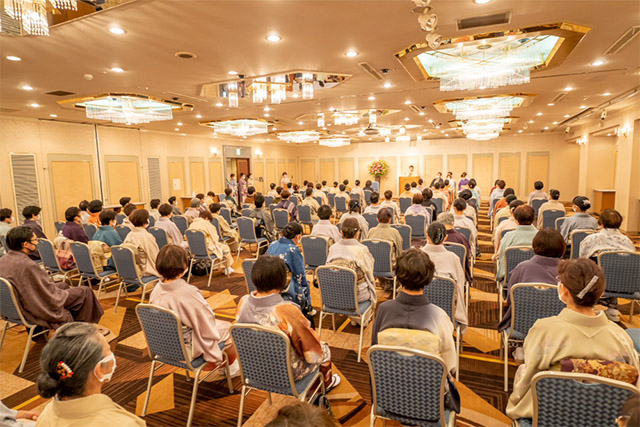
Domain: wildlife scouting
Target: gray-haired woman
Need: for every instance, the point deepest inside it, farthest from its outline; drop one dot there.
(75, 364)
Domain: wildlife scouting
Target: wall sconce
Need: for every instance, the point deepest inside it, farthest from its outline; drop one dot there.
(622, 132)
(214, 151)
(582, 141)
(259, 154)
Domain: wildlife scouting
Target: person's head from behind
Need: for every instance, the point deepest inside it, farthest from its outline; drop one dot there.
(22, 239)
(200, 196)
(342, 188)
(324, 183)
(465, 194)
(501, 184)
(610, 219)
(630, 413)
(211, 194)
(285, 194)
(549, 243)
(581, 204)
(324, 212)
(293, 231)
(554, 194)
(289, 185)
(279, 190)
(538, 185)
(368, 183)
(195, 202)
(581, 282)
(227, 192)
(446, 182)
(272, 185)
(437, 185)
(388, 194)
(308, 192)
(172, 262)
(5, 215)
(357, 182)
(165, 210)
(350, 228)
(354, 206)
(258, 201)
(436, 233)
(417, 199)
(129, 209)
(463, 175)
(124, 201)
(154, 203)
(140, 218)
(72, 214)
(508, 191)
(251, 190)
(172, 200)
(510, 198)
(345, 182)
(95, 206)
(215, 208)
(460, 205)
(414, 184)
(318, 186)
(420, 181)
(374, 197)
(407, 187)
(206, 215)
(447, 219)
(109, 217)
(472, 183)
(269, 274)
(83, 205)
(414, 270)
(76, 362)
(513, 205)
(384, 215)
(31, 212)
(427, 194)
(524, 215)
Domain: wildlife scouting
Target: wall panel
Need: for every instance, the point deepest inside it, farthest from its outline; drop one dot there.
(308, 170)
(122, 174)
(282, 167)
(432, 165)
(71, 181)
(196, 175)
(258, 175)
(363, 169)
(292, 170)
(272, 174)
(327, 171)
(482, 171)
(390, 181)
(509, 171)
(537, 170)
(216, 182)
(345, 169)
(177, 183)
(457, 163)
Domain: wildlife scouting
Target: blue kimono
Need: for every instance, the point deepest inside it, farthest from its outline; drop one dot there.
(298, 290)
(110, 236)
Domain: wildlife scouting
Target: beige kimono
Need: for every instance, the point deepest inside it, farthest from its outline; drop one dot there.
(227, 231)
(141, 238)
(96, 410)
(220, 250)
(568, 335)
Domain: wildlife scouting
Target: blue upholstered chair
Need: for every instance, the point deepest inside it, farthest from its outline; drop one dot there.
(315, 250)
(371, 218)
(160, 234)
(181, 222)
(549, 218)
(404, 203)
(50, 260)
(382, 265)
(199, 251)
(405, 232)
(247, 268)
(122, 231)
(248, 236)
(418, 224)
(59, 226)
(536, 203)
(576, 237)
(89, 230)
(87, 270)
(622, 272)
(124, 260)
(513, 256)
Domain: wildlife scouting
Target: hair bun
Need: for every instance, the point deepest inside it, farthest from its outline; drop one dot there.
(47, 386)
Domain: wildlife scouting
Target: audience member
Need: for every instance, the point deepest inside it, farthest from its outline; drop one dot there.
(272, 191)
(374, 206)
(124, 201)
(537, 194)
(522, 235)
(407, 191)
(335, 188)
(31, 216)
(319, 193)
(107, 234)
(128, 210)
(581, 220)
(354, 212)
(95, 207)
(475, 190)
(140, 238)
(384, 231)
(389, 203)
(209, 198)
(302, 414)
(212, 239)
(358, 190)
(264, 219)
(84, 215)
(497, 193)
(368, 185)
(288, 205)
(72, 229)
(250, 198)
(417, 209)
(233, 240)
(506, 225)
(439, 194)
(461, 220)
(14, 418)
(153, 212)
(173, 232)
(230, 202)
(312, 203)
(551, 205)
(454, 236)
(503, 203)
(630, 413)
(174, 205)
(506, 211)
(427, 195)
(193, 211)
(324, 227)
(414, 188)
(5, 225)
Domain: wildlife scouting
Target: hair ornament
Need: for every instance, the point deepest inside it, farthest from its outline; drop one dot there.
(64, 370)
(587, 288)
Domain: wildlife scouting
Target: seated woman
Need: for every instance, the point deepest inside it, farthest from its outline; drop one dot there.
(417, 208)
(225, 228)
(220, 250)
(412, 309)
(287, 249)
(350, 253)
(354, 212)
(578, 332)
(548, 246)
(143, 240)
(266, 307)
(75, 364)
(204, 333)
(107, 233)
(447, 265)
(581, 220)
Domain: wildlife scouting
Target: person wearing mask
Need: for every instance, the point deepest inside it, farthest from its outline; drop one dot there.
(354, 212)
(285, 180)
(233, 185)
(107, 234)
(128, 210)
(464, 181)
(242, 188)
(84, 215)
(72, 229)
(522, 236)
(272, 191)
(312, 203)
(6, 219)
(267, 307)
(250, 181)
(537, 194)
(454, 236)
(412, 309)
(172, 230)
(153, 212)
(581, 220)
(384, 231)
(551, 205)
(43, 302)
(288, 205)
(389, 203)
(143, 240)
(287, 249)
(173, 202)
(214, 246)
(461, 220)
(193, 211)
(75, 364)
(447, 265)
(437, 178)
(95, 207)
(324, 227)
(31, 216)
(263, 218)
(578, 332)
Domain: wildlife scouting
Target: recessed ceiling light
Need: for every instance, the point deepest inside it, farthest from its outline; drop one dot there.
(568, 88)
(538, 114)
(300, 123)
(176, 129)
(555, 123)
(219, 104)
(421, 113)
(267, 114)
(179, 123)
(520, 131)
(407, 102)
(546, 127)
(371, 98)
(530, 121)
(551, 104)
(351, 53)
(198, 116)
(597, 63)
(606, 94)
(26, 87)
(387, 85)
(430, 120)
(267, 109)
(274, 38)
(583, 106)
(406, 119)
(482, 87)
(14, 58)
(117, 70)
(232, 73)
(117, 30)
(53, 115)
(481, 1)
(566, 116)
(34, 105)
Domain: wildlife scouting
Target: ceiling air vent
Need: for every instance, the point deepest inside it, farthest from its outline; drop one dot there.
(619, 44)
(8, 110)
(415, 108)
(559, 97)
(484, 20)
(60, 93)
(368, 68)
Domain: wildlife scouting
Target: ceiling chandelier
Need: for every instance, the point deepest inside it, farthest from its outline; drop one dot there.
(299, 136)
(32, 14)
(259, 88)
(335, 141)
(321, 122)
(347, 118)
(240, 127)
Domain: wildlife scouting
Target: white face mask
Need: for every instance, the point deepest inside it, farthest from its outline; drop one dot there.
(107, 376)
(560, 295)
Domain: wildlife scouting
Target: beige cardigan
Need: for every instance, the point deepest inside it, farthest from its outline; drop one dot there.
(96, 410)
(140, 237)
(568, 335)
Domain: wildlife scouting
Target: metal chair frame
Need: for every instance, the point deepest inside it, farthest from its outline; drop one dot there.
(502, 285)
(92, 273)
(308, 266)
(54, 268)
(370, 243)
(124, 281)
(215, 261)
(406, 243)
(421, 233)
(262, 241)
(632, 275)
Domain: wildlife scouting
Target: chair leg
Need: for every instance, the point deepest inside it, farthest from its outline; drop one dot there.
(4, 332)
(506, 364)
(372, 417)
(146, 399)
(190, 266)
(458, 346)
(394, 288)
(333, 320)
(115, 309)
(100, 286)
(227, 372)
(244, 388)
(320, 323)
(210, 274)
(194, 394)
(361, 336)
(144, 291)
(26, 350)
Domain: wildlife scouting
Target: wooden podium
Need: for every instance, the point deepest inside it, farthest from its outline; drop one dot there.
(406, 180)
(604, 199)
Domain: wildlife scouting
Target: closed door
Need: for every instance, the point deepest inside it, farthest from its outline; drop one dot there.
(243, 166)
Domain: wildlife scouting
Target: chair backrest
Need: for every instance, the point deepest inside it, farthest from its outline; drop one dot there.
(354, 196)
(558, 223)
(272, 206)
(304, 214)
(514, 256)
(122, 231)
(152, 221)
(405, 232)
(438, 202)
(267, 200)
(246, 206)
(59, 226)
(315, 250)
(331, 198)
(536, 203)
(341, 204)
(294, 200)
(125, 262)
(281, 218)
(503, 232)
(9, 307)
(404, 203)
(120, 218)
(407, 383)
(533, 301)
(465, 231)
(82, 256)
(318, 199)
(418, 224)
(471, 218)
(181, 222)
(197, 244)
(48, 254)
(247, 267)
(621, 270)
(502, 218)
(458, 249)
(226, 214)
(442, 292)
(338, 288)
(381, 251)
(3, 241)
(89, 230)
(162, 330)
(371, 218)
(576, 237)
(216, 224)
(264, 355)
(367, 196)
(246, 228)
(160, 235)
(246, 212)
(564, 399)
(492, 205)
(549, 218)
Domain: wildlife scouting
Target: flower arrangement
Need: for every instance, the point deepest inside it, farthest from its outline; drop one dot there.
(379, 168)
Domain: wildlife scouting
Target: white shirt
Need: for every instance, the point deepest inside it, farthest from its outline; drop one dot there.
(325, 228)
